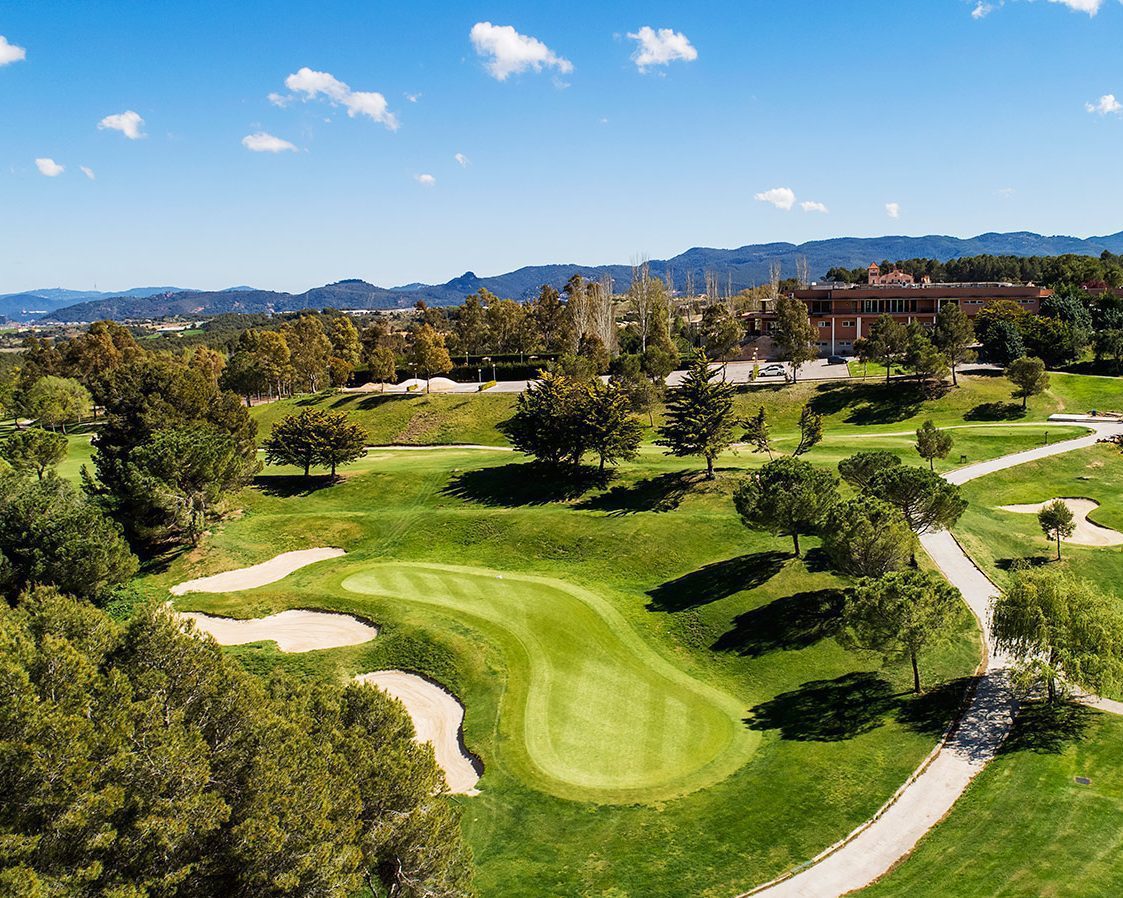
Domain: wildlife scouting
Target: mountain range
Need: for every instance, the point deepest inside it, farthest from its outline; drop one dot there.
(745, 266)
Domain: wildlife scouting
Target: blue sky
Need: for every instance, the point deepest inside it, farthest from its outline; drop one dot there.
(584, 137)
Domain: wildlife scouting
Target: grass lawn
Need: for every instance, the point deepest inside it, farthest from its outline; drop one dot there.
(658, 695)
(1025, 827)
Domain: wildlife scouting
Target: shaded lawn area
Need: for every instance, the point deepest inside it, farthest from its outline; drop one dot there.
(1026, 827)
(728, 607)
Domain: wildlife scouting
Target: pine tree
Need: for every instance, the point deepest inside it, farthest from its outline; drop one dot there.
(700, 415)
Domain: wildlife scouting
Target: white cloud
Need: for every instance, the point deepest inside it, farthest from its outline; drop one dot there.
(462, 160)
(660, 47)
(982, 10)
(1105, 105)
(281, 100)
(88, 172)
(812, 206)
(10, 52)
(49, 167)
(314, 84)
(128, 123)
(512, 53)
(1089, 6)
(780, 197)
(263, 142)
(893, 210)
(1006, 192)
(425, 180)
(413, 98)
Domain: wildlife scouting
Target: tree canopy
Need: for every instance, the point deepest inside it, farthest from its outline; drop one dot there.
(787, 497)
(314, 437)
(1057, 522)
(700, 415)
(867, 538)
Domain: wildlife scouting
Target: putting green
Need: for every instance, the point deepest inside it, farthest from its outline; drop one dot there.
(591, 710)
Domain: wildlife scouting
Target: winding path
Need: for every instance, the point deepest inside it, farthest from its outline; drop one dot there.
(871, 850)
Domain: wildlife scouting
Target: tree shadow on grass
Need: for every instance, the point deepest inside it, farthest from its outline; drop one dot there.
(931, 711)
(827, 710)
(520, 484)
(716, 581)
(1047, 728)
(789, 623)
(1017, 564)
(285, 486)
(662, 493)
(869, 403)
(995, 411)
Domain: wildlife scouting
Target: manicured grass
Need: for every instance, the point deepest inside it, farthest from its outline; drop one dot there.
(79, 453)
(705, 607)
(1025, 827)
(996, 539)
(603, 716)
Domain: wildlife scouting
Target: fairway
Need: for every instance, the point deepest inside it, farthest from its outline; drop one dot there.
(601, 715)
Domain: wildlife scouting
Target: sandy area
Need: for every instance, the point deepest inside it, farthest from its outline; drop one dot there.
(293, 631)
(1087, 533)
(437, 718)
(259, 574)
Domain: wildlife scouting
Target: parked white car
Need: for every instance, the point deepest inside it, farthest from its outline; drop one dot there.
(773, 371)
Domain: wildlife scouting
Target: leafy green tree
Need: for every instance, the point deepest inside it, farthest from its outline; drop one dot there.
(34, 449)
(1029, 378)
(548, 422)
(56, 401)
(151, 764)
(275, 357)
(427, 353)
(860, 468)
(1057, 522)
(506, 325)
(309, 352)
(793, 335)
(342, 442)
(245, 375)
(1060, 630)
(610, 430)
(188, 471)
(344, 337)
(548, 315)
(932, 443)
(721, 331)
(888, 341)
(787, 497)
(810, 431)
(901, 613)
(924, 359)
(867, 538)
(758, 433)
(51, 534)
(954, 336)
(382, 365)
(927, 501)
(313, 437)
(700, 415)
(657, 362)
(471, 323)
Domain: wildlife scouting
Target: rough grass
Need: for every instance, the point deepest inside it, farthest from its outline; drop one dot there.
(665, 554)
(1025, 827)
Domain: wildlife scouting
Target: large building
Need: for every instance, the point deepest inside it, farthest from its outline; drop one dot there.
(844, 313)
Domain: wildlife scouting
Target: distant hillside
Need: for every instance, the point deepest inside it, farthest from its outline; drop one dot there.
(747, 266)
(31, 304)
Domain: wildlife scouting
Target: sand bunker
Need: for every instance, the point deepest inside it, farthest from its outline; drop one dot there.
(437, 718)
(1087, 533)
(259, 574)
(293, 631)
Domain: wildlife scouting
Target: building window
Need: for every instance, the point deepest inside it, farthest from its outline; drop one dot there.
(847, 323)
(824, 324)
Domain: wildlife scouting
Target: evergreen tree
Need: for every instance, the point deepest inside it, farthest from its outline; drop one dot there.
(1057, 522)
(927, 501)
(1029, 378)
(787, 497)
(34, 449)
(610, 430)
(793, 334)
(932, 443)
(549, 420)
(888, 341)
(867, 538)
(758, 433)
(427, 353)
(810, 431)
(700, 415)
(954, 336)
(860, 468)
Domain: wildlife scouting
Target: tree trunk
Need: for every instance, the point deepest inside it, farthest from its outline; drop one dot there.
(915, 674)
(307, 466)
(1025, 400)
(709, 468)
(795, 542)
(1058, 545)
(1052, 685)
(601, 468)
(888, 370)
(954, 378)
(333, 469)
(932, 463)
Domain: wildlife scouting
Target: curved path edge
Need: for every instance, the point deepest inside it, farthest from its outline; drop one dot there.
(875, 847)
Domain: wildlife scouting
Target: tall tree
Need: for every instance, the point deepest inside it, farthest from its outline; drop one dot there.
(344, 337)
(927, 501)
(860, 468)
(1060, 630)
(342, 442)
(549, 420)
(427, 353)
(954, 336)
(888, 341)
(471, 323)
(787, 497)
(1029, 378)
(866, 537)
(57, 401)
(1057, 522)
(810, 431)
(720, 332)
(314, 437)
(700, 415)
(34, 449)
(793, 335)
(902, 613)
(245, 375)
(309, 352)
(758, 433)
(382, 365)
(548, 314)
(932, 443)
(610, 430)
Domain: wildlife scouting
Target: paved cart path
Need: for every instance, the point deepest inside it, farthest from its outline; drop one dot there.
(929, 794)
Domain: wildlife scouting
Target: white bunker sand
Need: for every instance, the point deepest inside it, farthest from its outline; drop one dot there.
(293, 631)
(270, 571)
(437, 718)
(1087, 533)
